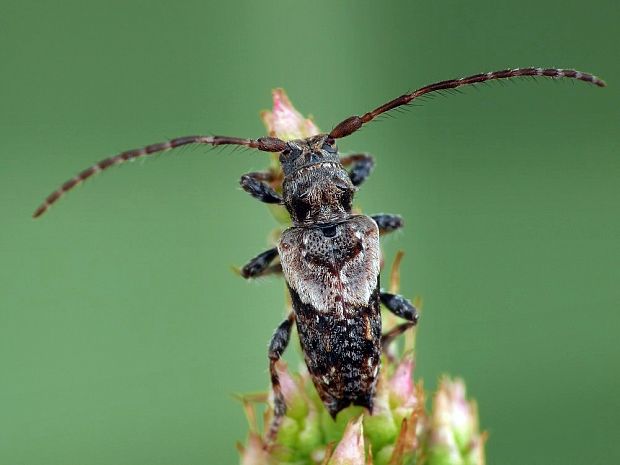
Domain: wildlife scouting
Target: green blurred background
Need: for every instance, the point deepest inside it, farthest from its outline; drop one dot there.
(123, 332)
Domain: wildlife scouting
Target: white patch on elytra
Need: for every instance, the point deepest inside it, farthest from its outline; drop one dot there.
(345, 285)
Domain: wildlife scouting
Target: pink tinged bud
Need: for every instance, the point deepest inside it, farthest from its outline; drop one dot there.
(294, 395)
(350, 450)
(443, 448)
(460, 414)
(454, 436)
(403, 393)
(284, 121)
(401, 385)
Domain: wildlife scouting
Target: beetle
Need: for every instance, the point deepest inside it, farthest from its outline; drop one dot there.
(330, 257)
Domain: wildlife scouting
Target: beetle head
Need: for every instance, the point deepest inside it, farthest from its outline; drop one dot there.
(302, 153)
(316, 188)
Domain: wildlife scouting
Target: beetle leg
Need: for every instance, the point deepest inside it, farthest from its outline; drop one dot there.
(392, 334)
(361, 166)
(256, 184)
(278, 344)
(260, 265)
(399, 306)
(402, 308)
(388, 222)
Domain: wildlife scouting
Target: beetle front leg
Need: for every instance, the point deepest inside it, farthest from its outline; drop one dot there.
(361, 166)
(261, 265)
(256, 184)
(388, 222)
(278, 344)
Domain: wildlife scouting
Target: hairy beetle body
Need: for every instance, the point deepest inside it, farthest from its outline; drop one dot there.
(332, 274)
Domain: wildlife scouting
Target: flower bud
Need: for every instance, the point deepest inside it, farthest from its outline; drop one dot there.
(284, 121)
(454, 438)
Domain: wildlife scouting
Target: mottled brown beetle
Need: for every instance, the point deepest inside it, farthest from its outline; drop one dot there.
(330, 257)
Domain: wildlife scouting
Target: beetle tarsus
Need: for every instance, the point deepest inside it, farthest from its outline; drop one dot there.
(361, 164)
(255, 185)
(260, 265)
(388, 222)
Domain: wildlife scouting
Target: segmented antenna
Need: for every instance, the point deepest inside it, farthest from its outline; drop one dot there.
(353, 123)
(265, 144)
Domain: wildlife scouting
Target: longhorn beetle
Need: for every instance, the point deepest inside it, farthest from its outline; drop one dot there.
(329, 257)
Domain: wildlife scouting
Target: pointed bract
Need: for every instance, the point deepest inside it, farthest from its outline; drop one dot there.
(254, 453)
(350, 449)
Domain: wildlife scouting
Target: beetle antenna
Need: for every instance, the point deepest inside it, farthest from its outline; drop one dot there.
(265, 144)
(353, 123)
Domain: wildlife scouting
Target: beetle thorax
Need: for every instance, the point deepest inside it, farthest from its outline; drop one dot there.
(316, 189)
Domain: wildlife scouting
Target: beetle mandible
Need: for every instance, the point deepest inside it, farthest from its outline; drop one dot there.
(330, 257)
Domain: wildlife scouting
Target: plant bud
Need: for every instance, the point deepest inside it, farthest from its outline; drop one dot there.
(284, 121)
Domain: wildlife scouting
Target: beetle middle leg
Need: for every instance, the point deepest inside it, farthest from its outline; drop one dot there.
(261, 265)
(257, 185)
(278, 344)
(402, 308)
(388, 338)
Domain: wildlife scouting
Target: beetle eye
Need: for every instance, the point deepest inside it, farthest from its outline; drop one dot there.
(291, 151)
(341, 184)
(301, 208)
(345, 199)
(284, 155)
